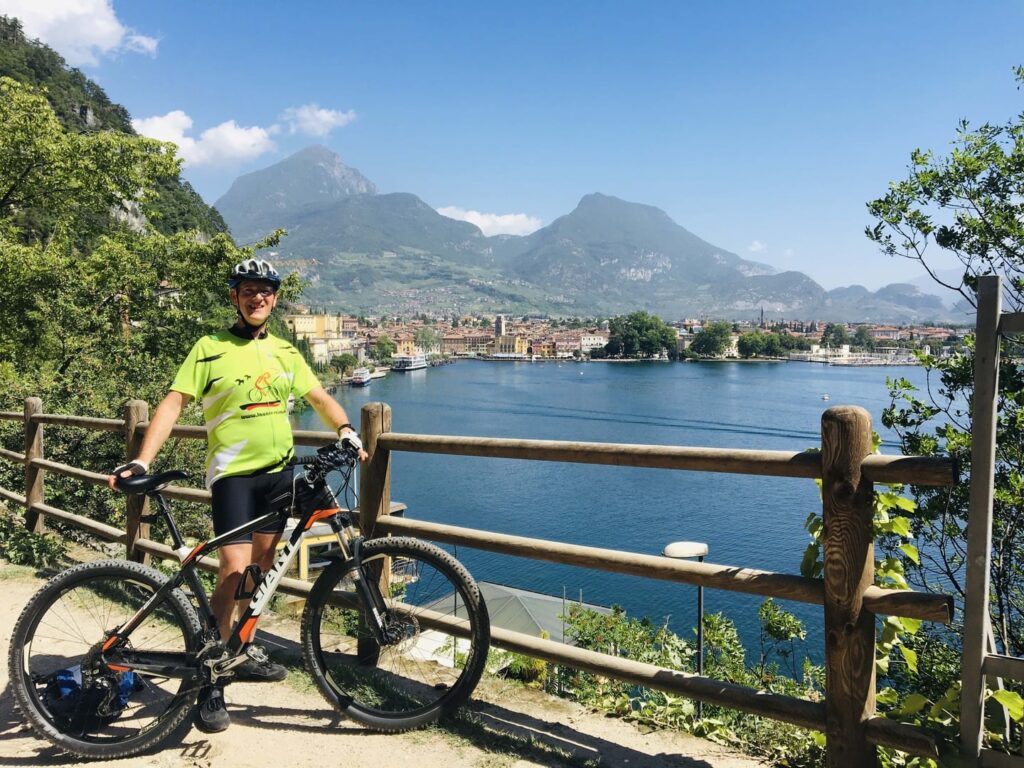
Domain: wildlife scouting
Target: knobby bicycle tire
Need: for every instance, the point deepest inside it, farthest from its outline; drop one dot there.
(441, 634)
(58, 630)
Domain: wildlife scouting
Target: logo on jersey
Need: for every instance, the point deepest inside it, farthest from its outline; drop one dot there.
(260, 392)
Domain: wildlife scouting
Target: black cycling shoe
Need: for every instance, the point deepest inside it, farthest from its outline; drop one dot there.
(211, 712)
(260, 670)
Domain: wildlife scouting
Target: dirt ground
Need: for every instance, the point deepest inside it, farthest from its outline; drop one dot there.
(289, 724)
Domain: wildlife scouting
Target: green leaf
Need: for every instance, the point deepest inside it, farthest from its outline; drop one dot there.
(899, 502)
(910, 626)
(1013, 703)
(810, 565)
(913, 704)
(887, 696)
(910, 656)
(911, 552)
(900, 526)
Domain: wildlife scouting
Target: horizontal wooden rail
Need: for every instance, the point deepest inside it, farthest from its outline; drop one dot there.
(89, 422)
(1011, 323)
(67, 470)
(104, 531)
(12, 456)
(1008, 667)
(181, 493)
(180, 430)
(313, 437)
(912, 470)
(17, 498)
(12, 416)
(919, 470)
(883, 732)
(895, 602)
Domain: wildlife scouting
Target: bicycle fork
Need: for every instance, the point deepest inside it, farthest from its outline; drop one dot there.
(371, 597)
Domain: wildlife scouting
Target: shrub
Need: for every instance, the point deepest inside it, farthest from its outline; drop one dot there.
(23, 547)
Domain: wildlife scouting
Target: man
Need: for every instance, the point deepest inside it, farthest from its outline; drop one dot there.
(243, 376)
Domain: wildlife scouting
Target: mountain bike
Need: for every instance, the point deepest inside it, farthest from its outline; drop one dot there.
(107, 659)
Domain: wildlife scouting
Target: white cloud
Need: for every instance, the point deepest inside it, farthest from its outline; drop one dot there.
(224, 144)
(142, 44)
(757, 246)
(495, 223)
(80, 30)
(313, 120)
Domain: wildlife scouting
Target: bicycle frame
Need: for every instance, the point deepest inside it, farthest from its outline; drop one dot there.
(116, 651)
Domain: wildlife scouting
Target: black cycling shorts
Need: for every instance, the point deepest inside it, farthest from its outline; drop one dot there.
(241, 499)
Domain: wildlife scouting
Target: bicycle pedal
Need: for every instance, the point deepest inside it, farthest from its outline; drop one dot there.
(258, 654)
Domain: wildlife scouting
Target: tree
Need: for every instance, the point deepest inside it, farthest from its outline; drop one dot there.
(863, 338)
(835, 335)
(384, 349)
(344, 362)
(969, 204)
(713, 339)
(751, 344)
(50, 177)
(426, 338)
(640, 335)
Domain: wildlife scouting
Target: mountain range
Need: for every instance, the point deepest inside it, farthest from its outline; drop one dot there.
(367, 252)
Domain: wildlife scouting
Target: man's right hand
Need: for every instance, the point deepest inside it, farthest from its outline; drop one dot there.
(130, 469)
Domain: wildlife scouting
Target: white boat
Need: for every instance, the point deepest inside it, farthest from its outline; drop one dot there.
(361, 377)
(409, 362)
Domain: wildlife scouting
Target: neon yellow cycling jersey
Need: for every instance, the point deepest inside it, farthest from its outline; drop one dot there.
(244, 386)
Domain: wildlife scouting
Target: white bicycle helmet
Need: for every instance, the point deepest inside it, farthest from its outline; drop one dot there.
(254, 269)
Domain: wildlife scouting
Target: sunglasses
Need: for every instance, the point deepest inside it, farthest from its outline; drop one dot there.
(250, 291)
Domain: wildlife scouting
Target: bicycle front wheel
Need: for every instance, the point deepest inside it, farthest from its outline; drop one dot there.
(437, 636)
(67, 695)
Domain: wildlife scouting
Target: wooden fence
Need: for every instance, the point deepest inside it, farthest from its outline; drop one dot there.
(850, 601)
(982, 667)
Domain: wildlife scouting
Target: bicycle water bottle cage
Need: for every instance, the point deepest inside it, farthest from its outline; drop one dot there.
(249, 583)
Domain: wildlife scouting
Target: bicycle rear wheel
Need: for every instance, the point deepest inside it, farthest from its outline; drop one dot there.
(72, 699)
(439, 635)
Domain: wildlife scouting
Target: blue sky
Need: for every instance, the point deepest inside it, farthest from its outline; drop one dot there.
(761, 127)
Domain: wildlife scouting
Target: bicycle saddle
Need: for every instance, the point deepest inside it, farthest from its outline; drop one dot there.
(148, 483)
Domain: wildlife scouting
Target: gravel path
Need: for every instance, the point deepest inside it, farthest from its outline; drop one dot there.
(289, 724)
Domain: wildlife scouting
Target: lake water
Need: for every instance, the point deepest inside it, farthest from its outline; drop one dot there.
(746, 521)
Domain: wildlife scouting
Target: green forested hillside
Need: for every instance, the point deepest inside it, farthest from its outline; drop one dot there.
(86, 324)
(82, 106)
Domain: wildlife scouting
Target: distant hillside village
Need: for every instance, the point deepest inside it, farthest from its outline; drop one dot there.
(502, 337)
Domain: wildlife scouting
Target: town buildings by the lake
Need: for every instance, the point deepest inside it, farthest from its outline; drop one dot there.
(503, 337)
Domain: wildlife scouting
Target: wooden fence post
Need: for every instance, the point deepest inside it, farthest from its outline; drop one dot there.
(848, 511)
(137, 505)
(375, 488)
(33, 475)
(979, 522)
(374, 496)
